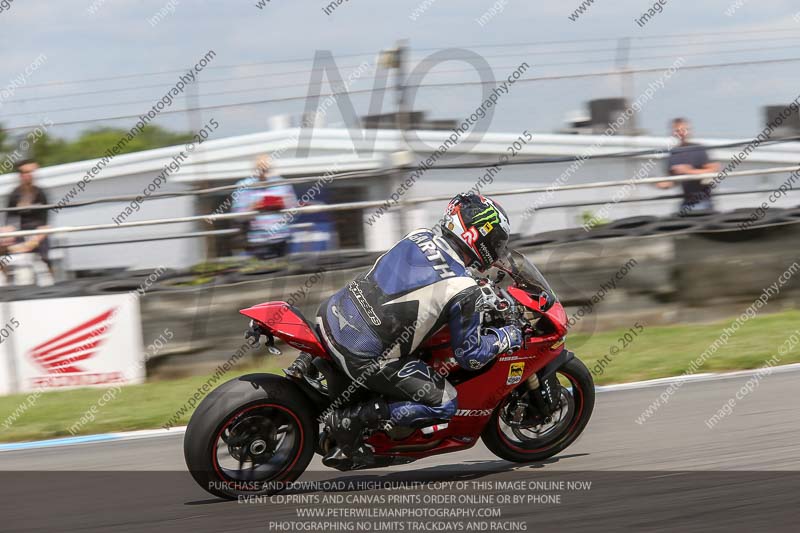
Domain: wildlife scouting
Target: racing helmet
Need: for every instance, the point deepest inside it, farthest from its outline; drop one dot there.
(478, 227)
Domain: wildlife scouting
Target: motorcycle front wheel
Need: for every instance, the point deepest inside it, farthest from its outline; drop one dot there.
(536, 443)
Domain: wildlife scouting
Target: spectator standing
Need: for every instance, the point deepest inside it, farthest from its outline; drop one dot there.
(690, 158)
(268, 233)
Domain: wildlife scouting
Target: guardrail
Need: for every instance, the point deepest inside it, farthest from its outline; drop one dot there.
(349, 206)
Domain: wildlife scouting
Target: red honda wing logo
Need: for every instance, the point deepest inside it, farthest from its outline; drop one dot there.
(61, 354)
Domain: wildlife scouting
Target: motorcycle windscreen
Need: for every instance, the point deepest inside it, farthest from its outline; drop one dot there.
(525, 275)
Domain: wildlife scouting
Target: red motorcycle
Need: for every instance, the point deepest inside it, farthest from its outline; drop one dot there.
(257, 433)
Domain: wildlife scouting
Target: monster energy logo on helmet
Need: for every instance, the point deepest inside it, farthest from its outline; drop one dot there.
(488, 215)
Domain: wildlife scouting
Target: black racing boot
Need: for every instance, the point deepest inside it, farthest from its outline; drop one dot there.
(347, 426)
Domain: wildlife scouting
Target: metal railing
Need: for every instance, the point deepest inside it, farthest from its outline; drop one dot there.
(349, 206)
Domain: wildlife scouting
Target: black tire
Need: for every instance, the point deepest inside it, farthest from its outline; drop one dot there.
(144, 273)
(533, 242)
(64, 289)
(116, 285)
(552, 237)
(728, 221)
(670, 226)
(582, 382)
(220, 409)
(630, 223)
(182, 282)
(11, 293)
(598, 234)
(786, 215)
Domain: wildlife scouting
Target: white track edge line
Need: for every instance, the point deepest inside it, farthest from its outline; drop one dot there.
(179, 430)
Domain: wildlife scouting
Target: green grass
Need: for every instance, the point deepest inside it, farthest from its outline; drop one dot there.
(668, 350)
(146, 406)
(656, 352)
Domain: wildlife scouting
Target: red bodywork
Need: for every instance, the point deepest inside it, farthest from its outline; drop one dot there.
(287, 325)
(478, 396)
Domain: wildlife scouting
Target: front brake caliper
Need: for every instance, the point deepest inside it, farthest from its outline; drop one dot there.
(550, 392)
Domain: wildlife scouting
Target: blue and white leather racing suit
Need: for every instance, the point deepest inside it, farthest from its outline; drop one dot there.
(374, 325)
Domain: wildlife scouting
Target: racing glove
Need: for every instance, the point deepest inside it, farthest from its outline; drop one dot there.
(509, 338)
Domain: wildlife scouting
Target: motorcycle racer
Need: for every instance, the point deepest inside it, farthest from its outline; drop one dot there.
(374, 325)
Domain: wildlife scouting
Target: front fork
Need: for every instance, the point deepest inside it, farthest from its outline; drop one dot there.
(540, 398)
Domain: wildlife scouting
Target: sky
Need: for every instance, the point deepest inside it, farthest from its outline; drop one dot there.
(267, 53)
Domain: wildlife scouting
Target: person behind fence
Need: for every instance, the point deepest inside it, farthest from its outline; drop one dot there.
(690, 158)
(267, 234)
(374, 325)
(27, 196)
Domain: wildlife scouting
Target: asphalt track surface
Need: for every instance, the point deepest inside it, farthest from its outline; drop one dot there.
(670, 473)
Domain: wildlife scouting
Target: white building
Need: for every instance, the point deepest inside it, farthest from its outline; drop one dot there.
(222, 162)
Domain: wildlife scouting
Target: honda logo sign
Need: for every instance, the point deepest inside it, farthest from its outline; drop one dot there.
(77, 342)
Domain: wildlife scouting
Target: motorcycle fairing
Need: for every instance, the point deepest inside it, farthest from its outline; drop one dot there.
(556, 314)
(478, 397)
(288, 324)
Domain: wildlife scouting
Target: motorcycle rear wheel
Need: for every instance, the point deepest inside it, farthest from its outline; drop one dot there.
(523, 446)
(250, 437)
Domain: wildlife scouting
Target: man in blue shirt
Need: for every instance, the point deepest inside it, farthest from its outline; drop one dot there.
(690, 158)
